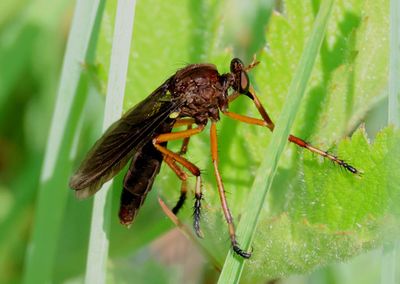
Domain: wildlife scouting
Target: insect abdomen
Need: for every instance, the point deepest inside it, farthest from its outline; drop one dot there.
(138, 181)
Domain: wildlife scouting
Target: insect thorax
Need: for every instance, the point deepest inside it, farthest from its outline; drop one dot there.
(202, 94)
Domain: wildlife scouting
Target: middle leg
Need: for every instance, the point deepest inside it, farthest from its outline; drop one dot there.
(188, 122)
(183, 177)
(184, 122)
(172, 158)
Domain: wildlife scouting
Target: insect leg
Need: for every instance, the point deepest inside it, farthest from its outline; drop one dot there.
(185, 143)
(221, 191)
(245, 119)
(253, 64)
(196, 172)
(181, 122)
(185, 163)
(266, 121)
(165, 137)
(183, 177)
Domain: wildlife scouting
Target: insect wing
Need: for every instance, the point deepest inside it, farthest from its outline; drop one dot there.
(122, 139)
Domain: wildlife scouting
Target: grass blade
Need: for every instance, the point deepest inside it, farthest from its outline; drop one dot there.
(389, 252)
(394, 68)
(234, 265)
(57, 165)
(100, 228)
(388, 271)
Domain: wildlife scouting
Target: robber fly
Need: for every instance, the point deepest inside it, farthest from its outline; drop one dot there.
(191, 97)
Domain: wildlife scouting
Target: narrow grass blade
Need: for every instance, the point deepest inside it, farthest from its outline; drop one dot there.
(388, 271)
(394, 68)
(389, 252)
(100, 228)
(57, 165)
(234, 265)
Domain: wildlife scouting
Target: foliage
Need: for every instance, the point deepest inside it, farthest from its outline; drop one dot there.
(315, 214)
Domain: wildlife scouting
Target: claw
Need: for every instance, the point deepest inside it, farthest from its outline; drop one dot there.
(197, 215)
(241, 252)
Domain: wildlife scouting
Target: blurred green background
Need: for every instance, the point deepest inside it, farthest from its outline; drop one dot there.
(33, 38)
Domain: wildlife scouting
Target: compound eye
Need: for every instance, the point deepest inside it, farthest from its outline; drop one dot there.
(236, 65)
(244, 82)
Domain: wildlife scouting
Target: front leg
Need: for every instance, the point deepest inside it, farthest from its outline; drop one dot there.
(267, 122)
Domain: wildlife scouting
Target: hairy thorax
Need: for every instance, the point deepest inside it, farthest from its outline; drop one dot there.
(200, 89)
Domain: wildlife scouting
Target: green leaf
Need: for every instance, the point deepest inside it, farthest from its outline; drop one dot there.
(334, 215)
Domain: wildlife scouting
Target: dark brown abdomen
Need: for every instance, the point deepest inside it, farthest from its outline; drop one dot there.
(138, 181)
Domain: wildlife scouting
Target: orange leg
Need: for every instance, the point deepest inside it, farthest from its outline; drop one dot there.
(251, 94)
(179, 172)
(183, 177)
(246, 119)
(266, 121)
(185, 143)
(221, 191)
(182, 122)
(177, 135)
(171, 156)
(261, 109)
